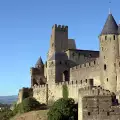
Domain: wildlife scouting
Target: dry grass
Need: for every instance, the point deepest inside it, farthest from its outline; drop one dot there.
(33, 115)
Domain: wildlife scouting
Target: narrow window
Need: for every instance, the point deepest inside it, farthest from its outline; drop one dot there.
(81, 81)
(108, 113)
(86, 80)
(105, 37)
(76, 81)
(119, 64)
(104, 66)
(107, 79)
(116, 78)
(89, 113)
(104, 57)
(60, 62)
(114, 37)
(94, 62)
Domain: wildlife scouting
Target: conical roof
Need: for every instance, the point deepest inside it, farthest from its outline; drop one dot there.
(39, 63)
(110, 26)
(119, 28)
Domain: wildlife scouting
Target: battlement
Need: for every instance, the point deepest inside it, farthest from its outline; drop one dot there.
(80, 82)
(39, 86)
(94, 91)
(60, 27)
(86, 65)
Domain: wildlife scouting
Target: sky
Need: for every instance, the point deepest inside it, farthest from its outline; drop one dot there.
(25, 29)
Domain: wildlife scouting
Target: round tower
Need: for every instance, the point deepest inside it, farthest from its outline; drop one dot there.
(109, 51)
(119, 36)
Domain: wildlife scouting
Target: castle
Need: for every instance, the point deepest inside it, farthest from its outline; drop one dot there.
(92, 77)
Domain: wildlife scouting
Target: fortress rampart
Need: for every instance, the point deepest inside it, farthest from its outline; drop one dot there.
(89, 70)
(45, 93)
(24, 93)
(60, 27)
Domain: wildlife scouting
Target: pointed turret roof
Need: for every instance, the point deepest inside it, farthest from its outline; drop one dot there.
(119, 28)
(110, 26)
(39, 62)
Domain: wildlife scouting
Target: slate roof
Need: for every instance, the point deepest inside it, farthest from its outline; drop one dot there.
(110, 26)
(39, 62)
(119, 29)
(59, 56)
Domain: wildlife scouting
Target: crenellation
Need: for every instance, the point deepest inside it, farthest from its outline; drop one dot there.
(60, 27)
(92, 78)
(86, 65)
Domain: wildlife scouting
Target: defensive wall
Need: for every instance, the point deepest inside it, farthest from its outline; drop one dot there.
(24, 93)
(89, 70)
(47, 93)
(96, 103)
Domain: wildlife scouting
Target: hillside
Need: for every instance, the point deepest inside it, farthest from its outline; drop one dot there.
(8, 99)
(33, 115)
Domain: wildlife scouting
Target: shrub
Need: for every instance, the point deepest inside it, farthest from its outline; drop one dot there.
(63, 109)
(6, 115)
(27, 105)
(65, 91)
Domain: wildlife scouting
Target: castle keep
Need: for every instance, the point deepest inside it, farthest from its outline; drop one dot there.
(92, 77)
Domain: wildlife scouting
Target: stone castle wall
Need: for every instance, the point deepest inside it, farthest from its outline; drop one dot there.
(47, 93)
(96, 103)
(89, 70)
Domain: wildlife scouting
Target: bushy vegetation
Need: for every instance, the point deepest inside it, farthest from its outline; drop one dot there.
(27, 105)
(6, 115)
(63, 109)
(65, 91)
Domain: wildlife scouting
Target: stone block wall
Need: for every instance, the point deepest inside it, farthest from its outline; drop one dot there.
(24, 93)
(40, 93)
(96, 103)
(52, 92)
(89, 70)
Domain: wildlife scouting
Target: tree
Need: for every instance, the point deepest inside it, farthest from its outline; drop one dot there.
(63, 109)
(65, 91)
(28, 104)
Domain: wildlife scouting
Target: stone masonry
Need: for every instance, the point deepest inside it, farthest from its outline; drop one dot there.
(92, 77)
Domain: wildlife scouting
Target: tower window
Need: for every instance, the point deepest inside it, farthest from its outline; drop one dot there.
(105, 67)
(81, 81)
(89, 113)
(114, 37)
(86, 80)
(105, 37)
(107, 79)
(116, 78)
(108, 113)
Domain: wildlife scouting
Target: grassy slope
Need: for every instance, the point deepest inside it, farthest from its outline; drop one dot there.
(33, 115)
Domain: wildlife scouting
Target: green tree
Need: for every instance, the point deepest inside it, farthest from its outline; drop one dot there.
(28, 104)
(65, 91)
(63, 109)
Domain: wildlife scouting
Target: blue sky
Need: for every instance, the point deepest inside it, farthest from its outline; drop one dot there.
(25, 29)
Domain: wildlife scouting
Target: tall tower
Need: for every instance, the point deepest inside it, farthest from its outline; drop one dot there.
(37, 73)
(56, 56)
(109, 51)
(58, 40)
